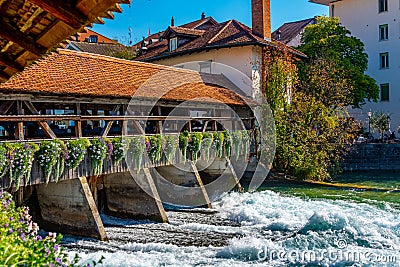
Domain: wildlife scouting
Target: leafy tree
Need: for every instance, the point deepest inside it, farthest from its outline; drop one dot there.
(336, 63)
(379, 121)
(311, 134)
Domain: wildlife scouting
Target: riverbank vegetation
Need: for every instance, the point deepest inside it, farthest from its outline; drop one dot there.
(309, 99)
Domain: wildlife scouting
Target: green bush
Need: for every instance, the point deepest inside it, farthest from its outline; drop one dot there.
(20, 244)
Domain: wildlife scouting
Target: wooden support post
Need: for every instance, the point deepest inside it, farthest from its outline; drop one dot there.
(159, 122)
(5, 107)
(155, 194)
(45, 127)
(138, 127)
(69, 207)
(19, 131)
(205, 126)
(109, 124)
(203, 189)
(234, 175)
(189, 128)
(78, 129)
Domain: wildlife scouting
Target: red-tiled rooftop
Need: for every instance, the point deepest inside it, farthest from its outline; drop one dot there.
(74, 73)
(226, 34)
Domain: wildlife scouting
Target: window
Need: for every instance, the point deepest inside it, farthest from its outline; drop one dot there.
(383, 32)
(385, 92)
(383, 5)
(205, 66)
(384, 60)
(93, 39)
(173, 44)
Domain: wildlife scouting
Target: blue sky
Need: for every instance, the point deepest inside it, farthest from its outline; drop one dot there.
(156, 15)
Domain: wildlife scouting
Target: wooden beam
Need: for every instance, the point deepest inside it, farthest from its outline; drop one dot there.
(42, 124)
(203, 189)
(63, 10)
(19, 131)
(109, 124)
(4, 75)
(5, 107)
(13, 34)
(205, 126)
(78, 129)
(6, 61)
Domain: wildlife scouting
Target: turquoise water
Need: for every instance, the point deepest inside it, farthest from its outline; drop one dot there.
(281, 225)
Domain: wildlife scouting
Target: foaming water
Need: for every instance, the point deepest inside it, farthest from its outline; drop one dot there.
(255, 229)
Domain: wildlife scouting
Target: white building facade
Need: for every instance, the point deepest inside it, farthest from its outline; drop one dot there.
(377, 24)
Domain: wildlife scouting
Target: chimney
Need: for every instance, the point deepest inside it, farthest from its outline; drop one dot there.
(203, 15)
(261, 18)
(172, 22)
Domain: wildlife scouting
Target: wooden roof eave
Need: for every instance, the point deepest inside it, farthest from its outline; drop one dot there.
(69, 21)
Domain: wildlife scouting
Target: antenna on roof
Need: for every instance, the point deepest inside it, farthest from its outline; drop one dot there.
(172, 22)
(203, 15)
(130, 35)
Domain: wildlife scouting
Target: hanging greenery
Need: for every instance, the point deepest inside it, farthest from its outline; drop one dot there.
(120, 145)
(245, 142)
(98, 151)
(4, 161)
(227, 142)
(206, 144)
(171, 143)
(194, 145)
(218, 142)
(155, 147)
(51, 156)
(21, 156)
(237, 143)
(137, 146)
(183, 144)
(76, 150)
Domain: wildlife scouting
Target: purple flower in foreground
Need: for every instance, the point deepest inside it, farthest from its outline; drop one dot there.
(10, 230)
(56, 247)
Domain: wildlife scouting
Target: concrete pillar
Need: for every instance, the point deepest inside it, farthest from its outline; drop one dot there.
(68, 207)
(126, 199)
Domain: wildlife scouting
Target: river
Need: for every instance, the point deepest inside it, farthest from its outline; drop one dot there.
(282, 224)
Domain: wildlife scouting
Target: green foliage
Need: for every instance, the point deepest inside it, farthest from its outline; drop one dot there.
(379, 121)
(227, 142)
(21, 156)
(125, 53)
(98, 151)
(218, 144)
(206, 144)
(171, 144)
(51, 156)
(194, 145)
(137, 147)
(312, 127)
(155, 144)
(4, 162)
(336, 66)
(76, 150)
(20, 244)
(246, 142)
(237, 143)
(183, 144)
(120, 146)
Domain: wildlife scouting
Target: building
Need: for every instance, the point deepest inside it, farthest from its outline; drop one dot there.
(89, 36)
(290, 33)
(201, 44)
(376, 24)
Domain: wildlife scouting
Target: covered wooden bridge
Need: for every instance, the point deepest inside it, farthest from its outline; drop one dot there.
(71, 95)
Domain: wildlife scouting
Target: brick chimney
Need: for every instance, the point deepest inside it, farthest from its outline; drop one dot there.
(261, 18)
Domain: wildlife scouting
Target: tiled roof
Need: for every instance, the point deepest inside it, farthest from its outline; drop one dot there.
(290, 30)
(82, 74)
(198, 23)
(185, 31)
(226, 34)
(101, 49)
